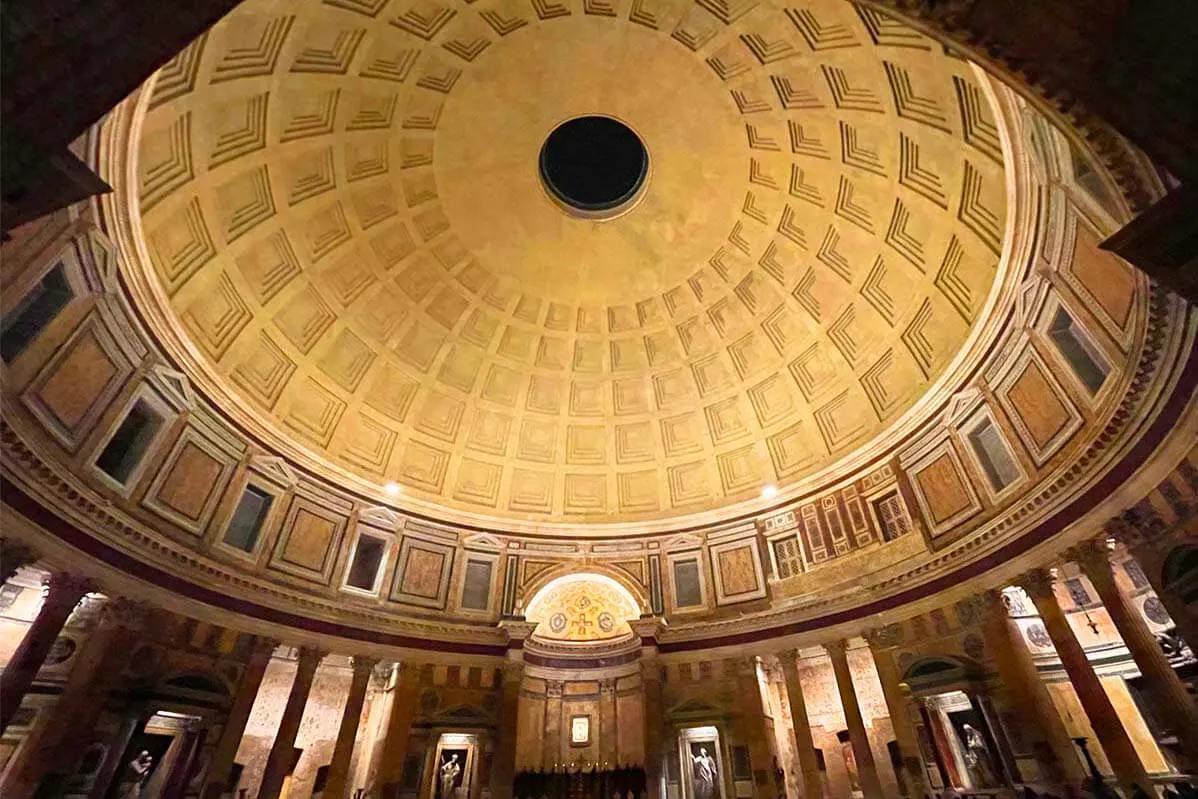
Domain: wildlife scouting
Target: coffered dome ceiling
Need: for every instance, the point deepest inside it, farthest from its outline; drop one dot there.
(341, 205)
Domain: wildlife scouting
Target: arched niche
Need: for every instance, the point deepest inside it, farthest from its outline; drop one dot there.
(581, 607)
(938, 673)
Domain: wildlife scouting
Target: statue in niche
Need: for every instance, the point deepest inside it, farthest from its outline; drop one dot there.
(450, 771)
(136, 774)
(977, 757)
(704, 770)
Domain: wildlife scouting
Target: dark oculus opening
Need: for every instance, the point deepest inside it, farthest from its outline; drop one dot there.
(593, 163)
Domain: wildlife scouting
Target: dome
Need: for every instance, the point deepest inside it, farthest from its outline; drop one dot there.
(350, 246)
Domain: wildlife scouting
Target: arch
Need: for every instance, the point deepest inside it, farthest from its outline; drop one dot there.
(1179, 573)
(582, 606)
(936, 672)
(559, 571)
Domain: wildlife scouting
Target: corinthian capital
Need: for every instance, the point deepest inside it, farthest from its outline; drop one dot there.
(1093, 556)
(884, 637)
(310, 657)
(836, 649)
(1037, 583)
(13, 555)
(1137, 526)
(70, 586)
(364, 664)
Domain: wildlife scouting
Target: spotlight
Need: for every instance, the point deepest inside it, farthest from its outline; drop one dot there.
(769, 492)
(392, 489)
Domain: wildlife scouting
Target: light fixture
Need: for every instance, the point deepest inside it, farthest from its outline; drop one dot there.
(769, 491)
(392, 489)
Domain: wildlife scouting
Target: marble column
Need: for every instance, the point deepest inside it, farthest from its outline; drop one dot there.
(503, 770)
(901, 721)
(63, 592)
(13, 555)
(1042, 727)
(553, 724)
(1170, 700)
(399, 729)
(336, 783)
(804, 743)
(752, 726)
(191, 739)
(1149, 541)
(239, 714)
(867, 771)
(607, 724)
(54, 743)
(1120, 751)
(654, 702)
(278, 762)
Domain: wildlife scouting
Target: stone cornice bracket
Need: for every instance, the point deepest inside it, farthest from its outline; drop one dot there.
(647, 627)
(364, 665)
(517, 631)
(1037, 583)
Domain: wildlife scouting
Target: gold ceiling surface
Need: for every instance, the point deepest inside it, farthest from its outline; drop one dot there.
(342, 204)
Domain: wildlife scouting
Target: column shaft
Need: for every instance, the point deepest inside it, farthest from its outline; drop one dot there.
(654, 711)
(62, 595)
(553, 724)
(752, 727)
(867, 771)
(607, 724)
(399, 729)
(239, 714)
(900, 719)
(804, 743)
(1149, 540)
(336, 785)
(1170, 699)
(58, 738)
(190, 743)
(278, 762)
(1055, 752)
(1120, 751)
(504, 769)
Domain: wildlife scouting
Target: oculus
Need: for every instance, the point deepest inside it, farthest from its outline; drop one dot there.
(594, 166)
